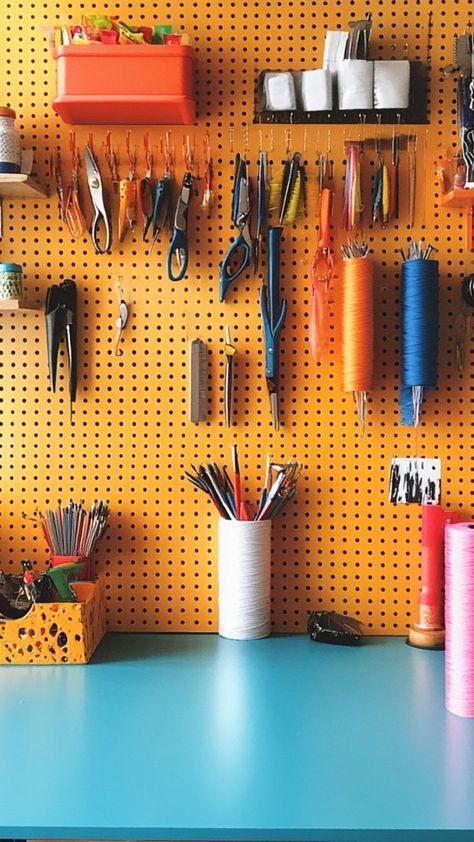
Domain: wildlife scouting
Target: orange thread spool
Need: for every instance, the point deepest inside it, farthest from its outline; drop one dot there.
(358, 330)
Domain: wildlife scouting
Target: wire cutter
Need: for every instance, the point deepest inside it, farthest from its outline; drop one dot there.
(61, 322)
(273, 315)
(241, 250)
(178, 251)
(94, 182)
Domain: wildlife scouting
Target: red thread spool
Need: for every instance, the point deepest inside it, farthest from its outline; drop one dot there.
(428, 632)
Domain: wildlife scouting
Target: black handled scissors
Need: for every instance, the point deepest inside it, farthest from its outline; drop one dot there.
(241, 250)
(94, 182)
(178, 251)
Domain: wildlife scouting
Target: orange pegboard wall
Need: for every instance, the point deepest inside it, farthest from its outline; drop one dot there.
(341, 545)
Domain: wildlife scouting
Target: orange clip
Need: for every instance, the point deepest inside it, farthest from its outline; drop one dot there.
(128, 211)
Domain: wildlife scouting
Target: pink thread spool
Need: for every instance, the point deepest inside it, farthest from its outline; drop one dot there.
(459, 611)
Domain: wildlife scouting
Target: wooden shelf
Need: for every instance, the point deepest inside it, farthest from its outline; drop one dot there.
(462, 200)
(20, 185)
(22, 304)
(458, 199)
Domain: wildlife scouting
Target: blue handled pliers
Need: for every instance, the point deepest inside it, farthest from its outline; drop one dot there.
(178, 251)
(239, 256)
(273, 315)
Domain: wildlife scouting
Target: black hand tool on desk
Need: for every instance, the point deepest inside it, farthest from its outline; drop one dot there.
(94, 182)
(61, 323)
(239, 256)
(330, 627)
(178, 252)
(273, 315)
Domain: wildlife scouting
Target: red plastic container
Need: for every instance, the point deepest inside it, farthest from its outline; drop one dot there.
(125, 84)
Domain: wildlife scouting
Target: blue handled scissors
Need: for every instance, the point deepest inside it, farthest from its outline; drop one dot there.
(239, 256)
(94, 182)
(178, 249)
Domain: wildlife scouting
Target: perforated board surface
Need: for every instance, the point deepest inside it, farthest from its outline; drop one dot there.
(341, 545)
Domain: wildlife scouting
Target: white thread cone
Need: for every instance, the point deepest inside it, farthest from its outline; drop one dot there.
(244, 579)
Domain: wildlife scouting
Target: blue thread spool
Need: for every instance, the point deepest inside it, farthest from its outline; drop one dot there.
(419, 323)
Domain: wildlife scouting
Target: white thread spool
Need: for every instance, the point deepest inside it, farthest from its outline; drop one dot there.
(10, 142)
(244, 579)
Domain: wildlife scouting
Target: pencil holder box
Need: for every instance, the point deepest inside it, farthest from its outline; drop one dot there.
(244, 579)
(57, 632)
(124, 84)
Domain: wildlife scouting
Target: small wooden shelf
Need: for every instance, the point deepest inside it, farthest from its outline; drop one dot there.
(462, 199)
(458, 199)
(22, 304)
(20, 186)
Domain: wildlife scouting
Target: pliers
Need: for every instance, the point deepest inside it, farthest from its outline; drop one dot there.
(273, 315)
(239, 256)
(94, 182)
(61, 322)
(178, 251)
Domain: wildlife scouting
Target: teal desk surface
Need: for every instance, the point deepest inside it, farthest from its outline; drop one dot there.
(193, 737)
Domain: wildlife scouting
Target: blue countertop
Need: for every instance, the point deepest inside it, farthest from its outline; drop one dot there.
(193, 737)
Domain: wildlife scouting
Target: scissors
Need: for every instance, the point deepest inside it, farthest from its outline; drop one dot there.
(94, 182)
(160, 216)
(178, 251)
(241, 249)
(273, 315)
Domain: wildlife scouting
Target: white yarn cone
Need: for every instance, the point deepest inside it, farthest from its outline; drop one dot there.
(244, 579)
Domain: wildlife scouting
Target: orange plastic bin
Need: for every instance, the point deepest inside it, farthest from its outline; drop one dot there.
(125, 84)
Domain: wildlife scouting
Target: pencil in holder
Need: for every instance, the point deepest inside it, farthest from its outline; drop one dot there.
(244, 579)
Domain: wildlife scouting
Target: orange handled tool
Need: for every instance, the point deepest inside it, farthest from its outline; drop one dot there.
(128, 211)
(321, 274)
